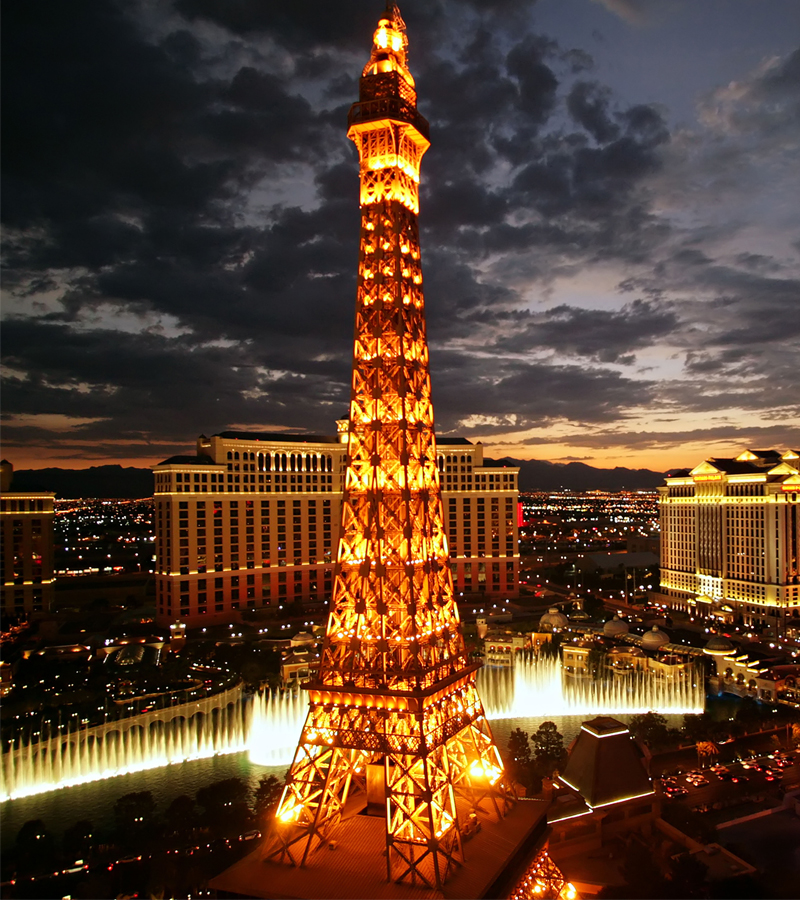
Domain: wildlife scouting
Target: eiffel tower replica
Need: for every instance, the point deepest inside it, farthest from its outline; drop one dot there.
(395, 725)
(394, 713)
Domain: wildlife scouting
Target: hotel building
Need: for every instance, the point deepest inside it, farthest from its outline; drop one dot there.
(730, 538)
(252, 520)
(26, 534)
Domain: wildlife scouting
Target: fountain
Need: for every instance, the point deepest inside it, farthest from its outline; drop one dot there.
(275, 726)
(268, 725)
(537, 686)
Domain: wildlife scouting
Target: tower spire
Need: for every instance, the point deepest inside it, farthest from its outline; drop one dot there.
(394, 715)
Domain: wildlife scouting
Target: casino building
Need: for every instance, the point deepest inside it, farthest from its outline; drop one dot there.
(252, 519)
(26, 538)
(730, 539)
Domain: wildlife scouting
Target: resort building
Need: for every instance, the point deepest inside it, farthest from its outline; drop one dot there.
(26, 534)
(502, 649)
(252, 519)
(730, 539)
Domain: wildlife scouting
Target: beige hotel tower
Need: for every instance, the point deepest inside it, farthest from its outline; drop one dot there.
(730, 539)
(252, 519)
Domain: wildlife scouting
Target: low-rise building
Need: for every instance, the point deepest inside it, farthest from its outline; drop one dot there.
(298, 667)
(574, 658)
(501, 649)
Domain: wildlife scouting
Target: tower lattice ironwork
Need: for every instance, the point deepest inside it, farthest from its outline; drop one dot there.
(394, 713)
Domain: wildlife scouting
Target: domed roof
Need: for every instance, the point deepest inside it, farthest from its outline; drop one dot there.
(302, 637)
(718, 644)
(614, 627)
(553, 619)
(654, 638)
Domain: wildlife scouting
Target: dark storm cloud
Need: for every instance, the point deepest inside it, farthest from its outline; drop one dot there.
(186, 168)
(715, 440)
(121, 378)
(606, 336)
(588, 104)
(514, 395)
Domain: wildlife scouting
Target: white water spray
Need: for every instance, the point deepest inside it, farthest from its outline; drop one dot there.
(269, 726)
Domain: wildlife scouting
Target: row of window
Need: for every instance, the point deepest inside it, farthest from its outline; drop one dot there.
(26, 505)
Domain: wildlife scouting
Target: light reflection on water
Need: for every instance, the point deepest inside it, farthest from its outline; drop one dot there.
(270, 727)
(95, 801)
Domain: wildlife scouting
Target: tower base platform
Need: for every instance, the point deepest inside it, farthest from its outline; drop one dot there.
(495, 858)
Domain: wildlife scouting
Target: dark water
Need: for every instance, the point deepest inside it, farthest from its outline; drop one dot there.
(95, 801)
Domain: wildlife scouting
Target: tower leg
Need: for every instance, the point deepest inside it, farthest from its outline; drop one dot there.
(312, 802)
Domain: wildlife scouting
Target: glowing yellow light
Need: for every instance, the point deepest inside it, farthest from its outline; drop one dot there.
(290, 811)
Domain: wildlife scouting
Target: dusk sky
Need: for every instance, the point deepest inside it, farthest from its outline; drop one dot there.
(610, 223)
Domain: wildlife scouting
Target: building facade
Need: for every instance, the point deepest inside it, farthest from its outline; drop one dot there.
(253, 520)
(730, 538)
(26, 534)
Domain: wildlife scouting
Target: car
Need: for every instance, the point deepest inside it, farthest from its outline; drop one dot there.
(78, 866)
(675, 791)
(699, 781)
(250, 835)
(769, 775)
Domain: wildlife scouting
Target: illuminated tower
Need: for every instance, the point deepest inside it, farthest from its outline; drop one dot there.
(394, 714)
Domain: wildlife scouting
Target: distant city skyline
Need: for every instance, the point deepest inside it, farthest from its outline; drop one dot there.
(609, 225)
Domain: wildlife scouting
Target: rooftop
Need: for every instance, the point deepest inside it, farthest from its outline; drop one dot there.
(187, 460)
(283, 436)
(605, 764)
(356, 868)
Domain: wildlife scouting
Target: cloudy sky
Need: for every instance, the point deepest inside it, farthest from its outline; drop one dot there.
(610, 223)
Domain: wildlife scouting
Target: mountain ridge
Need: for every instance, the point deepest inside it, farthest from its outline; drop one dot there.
(130, 482)
(542, 475)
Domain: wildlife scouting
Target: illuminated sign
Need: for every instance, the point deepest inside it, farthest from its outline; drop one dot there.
(717, 476)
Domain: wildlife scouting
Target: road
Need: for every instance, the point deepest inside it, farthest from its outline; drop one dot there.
(727, 793)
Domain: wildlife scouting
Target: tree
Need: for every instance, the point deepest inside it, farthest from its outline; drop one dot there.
(549, 649)
(78, 840)
(225, 804)
(748, 715)
(180, 817)
(698, 728)
(548, 748)
(520, 762)
(707, 750)
(266, 796)
(134, 814)
(651, 728)
(36, 847)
